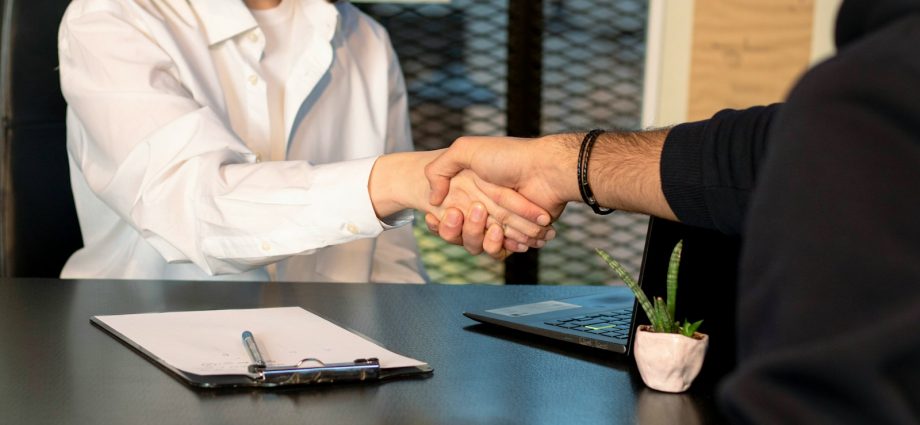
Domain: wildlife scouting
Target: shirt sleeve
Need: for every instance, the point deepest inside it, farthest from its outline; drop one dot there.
(396, 258)
(170, 166)
(709, 168)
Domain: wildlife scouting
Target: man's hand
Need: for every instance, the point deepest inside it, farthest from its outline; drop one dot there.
(542, 170)
(623, 169)
(534, 168)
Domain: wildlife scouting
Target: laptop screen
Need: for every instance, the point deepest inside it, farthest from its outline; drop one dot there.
(706, 283)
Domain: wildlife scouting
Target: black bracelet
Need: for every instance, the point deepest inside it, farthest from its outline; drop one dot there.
(583, 155)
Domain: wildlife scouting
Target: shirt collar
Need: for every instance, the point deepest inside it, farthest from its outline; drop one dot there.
(323, 16)
(223, 19)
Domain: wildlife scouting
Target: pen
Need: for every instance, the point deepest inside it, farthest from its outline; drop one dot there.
(249, 341)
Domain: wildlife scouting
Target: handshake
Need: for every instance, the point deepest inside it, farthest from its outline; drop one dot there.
(500, 195)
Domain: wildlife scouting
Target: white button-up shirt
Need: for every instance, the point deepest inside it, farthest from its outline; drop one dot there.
(168, 139)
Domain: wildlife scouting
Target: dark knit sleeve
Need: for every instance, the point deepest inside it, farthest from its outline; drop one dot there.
(708, 168)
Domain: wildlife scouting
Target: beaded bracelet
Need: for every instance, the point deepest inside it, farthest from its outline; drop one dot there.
(583, 155)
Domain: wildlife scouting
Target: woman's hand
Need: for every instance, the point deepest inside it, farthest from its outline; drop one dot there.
(488, 226)
(480, 210)
(502, 232)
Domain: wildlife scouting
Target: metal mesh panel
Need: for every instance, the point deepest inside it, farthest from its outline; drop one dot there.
(593, 61)
(454, 57)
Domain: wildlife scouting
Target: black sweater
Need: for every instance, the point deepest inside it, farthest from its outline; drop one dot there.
(825, 192)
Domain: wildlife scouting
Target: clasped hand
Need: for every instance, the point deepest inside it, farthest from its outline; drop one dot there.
(496, 194)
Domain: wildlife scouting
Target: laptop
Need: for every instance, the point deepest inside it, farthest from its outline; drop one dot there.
(607, 320)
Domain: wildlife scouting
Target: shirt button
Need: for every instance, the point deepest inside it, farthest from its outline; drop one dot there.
(352, 228)
(253, 79)
(253, 36)
(266, 246)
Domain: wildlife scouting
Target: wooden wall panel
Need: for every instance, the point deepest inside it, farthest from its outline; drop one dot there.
(746, 52)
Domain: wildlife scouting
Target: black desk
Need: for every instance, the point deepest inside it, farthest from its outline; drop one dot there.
(56, 368)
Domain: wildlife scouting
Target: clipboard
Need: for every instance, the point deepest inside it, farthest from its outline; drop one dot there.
(203, 349)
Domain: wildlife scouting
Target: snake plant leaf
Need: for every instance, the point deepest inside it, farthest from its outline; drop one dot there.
(631, 283)
(664, 323)
(673, 265)
(660, 313)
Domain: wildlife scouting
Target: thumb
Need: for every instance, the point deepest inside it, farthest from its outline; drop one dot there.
(439, 171)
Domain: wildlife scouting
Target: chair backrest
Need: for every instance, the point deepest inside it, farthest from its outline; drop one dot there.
(39, 223)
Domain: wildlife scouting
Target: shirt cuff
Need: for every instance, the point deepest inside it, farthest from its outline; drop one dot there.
(342, 186)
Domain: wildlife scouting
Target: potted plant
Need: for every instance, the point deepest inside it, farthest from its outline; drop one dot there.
(669, 354)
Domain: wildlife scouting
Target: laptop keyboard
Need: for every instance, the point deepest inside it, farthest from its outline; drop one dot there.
(613, 324)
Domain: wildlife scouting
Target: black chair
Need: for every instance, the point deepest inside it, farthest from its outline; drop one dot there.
(39, 224)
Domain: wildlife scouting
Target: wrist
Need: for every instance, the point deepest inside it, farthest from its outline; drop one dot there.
(397, 182)
(561, 164)
(382, 185)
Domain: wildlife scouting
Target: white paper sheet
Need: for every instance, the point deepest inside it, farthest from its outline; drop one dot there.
(210, 342)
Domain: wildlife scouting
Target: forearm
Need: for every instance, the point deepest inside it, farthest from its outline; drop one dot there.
(699, 173)
(623, 170)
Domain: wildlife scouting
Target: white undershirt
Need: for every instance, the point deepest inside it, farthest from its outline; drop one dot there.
(283, 42)
(277, 25)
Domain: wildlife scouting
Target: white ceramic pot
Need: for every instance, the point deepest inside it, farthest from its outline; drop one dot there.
(668, 362)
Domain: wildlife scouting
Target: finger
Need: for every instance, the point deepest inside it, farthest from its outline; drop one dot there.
(515, 235)
(494, 242)
(514, 246)
(523, 229)
(516, 211)
(501, 255)
(521, 238)
(521, 226)
(540, 243)
(474, 226)
(519, 205)
(439, 183)
(451, 227)
(432, 222)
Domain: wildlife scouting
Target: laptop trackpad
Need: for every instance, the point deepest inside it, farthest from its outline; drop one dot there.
(617, 297)
(531, 309)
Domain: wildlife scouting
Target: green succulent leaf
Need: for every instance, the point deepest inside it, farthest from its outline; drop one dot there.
(673, 266)
(665, 322)
(631, 283)
(660, 311)
(688, 329)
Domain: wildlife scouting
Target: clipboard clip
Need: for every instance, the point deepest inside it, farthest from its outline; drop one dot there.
(314, 371)
(309, 370)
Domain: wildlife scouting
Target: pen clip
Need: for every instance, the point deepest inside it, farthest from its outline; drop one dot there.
(303, 373)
